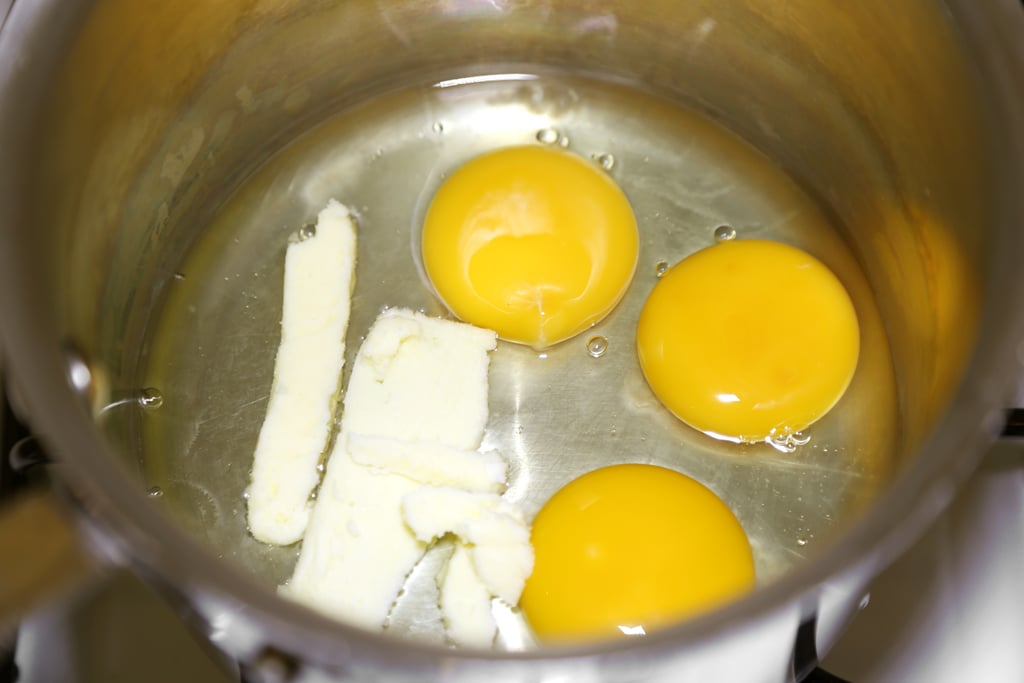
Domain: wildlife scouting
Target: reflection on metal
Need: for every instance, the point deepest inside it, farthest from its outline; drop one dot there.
(5, 9)
(137, 150)
(486, 78)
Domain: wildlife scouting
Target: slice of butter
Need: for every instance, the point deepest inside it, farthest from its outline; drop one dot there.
(318, 281)
(420, 379)
(431, 463)
(357, 551)
(492, 529)
(415, 379)
(466, 603)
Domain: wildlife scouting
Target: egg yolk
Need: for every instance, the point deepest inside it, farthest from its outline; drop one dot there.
(532, 242)
(748, 340)
(626, 549)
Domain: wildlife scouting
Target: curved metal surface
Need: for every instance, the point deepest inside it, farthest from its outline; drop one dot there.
(78, 231)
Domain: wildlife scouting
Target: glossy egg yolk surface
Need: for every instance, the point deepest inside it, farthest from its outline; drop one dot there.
(532, 242)
(748, 340)
(626, 549)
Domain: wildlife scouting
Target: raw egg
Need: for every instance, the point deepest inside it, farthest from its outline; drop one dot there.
(749, 340)
(626, 549)
(532, 242)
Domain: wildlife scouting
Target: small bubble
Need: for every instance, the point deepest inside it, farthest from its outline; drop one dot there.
(801, 541)
(179, 276)
(438, 127)
(156, 492)
(547, 136)
(563, 141)
(597, 346)
(542, 356)
(605, 161)
(320, 467)
(785, 441)
(151, 398)
(307, 231)
(724, 233)
(865, 601)
(660, 268)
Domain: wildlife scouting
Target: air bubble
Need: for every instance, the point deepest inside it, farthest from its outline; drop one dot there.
(156, 492)
(787, 442)
(151, 398)
(547, 136)
(606, 161)
(307, 231)
(724, 233)
(179, 276)
(660, 268)
(438, 127)
(563, 141)
(801, 541)
(865, 601)
(597, 346)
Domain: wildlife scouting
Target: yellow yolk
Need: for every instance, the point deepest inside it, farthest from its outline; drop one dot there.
(534, 243)
(748, 340)
(626, 549)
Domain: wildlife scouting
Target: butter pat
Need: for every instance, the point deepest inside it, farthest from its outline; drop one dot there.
(357, 551)
(318, 281)
(415, 380)
(493, 530)
(466, 603)
(430, 462)
(420, 379)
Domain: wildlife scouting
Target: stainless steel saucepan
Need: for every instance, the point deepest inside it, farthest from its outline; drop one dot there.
(156, 155)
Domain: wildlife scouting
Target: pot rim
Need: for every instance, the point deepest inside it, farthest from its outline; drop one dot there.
(149, 542)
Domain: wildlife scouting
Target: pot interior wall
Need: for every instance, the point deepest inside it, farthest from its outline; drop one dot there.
(162, 112)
